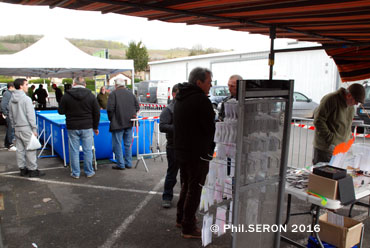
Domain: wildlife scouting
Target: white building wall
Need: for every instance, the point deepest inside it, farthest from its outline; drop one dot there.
(315, 74)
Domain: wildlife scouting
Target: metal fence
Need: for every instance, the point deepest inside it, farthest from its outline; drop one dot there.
(301, 140)
(157, 142)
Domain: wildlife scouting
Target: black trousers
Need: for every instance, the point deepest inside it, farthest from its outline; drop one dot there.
(171, 175)
(193, 173)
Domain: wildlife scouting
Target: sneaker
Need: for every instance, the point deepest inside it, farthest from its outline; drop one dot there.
(24, 172)
(195, 234)
(74, 176)
(166, 204)
(91, 175)
(116, 167)
(35, 173)
(12, 148)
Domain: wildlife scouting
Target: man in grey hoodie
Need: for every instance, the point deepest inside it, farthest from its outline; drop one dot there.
(23, 119)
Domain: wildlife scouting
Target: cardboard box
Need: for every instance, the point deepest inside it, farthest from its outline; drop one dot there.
(323, 186)
(340, 236)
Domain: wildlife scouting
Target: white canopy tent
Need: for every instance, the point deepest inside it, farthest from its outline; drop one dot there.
(54, 56)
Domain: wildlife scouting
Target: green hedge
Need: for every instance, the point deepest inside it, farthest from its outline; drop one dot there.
(67, 81)
(5, 79)
(40, 81)
(90, 83)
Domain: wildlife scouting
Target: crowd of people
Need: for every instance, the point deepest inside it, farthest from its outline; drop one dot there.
(82, 111)
(188, 121)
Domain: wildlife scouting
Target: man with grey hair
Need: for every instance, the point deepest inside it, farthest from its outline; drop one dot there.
(232, 84)
(121, 82)
(82, 119)
(194, 130)
(333, 120)
(121, 108)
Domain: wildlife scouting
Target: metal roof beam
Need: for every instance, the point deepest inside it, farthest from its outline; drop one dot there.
(190, 13)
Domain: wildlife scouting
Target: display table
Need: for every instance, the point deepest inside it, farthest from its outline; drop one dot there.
(316, 205)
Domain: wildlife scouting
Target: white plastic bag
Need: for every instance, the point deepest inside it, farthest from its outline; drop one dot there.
(34, 143)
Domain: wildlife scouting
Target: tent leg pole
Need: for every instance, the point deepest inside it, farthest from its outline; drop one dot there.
(272, 52)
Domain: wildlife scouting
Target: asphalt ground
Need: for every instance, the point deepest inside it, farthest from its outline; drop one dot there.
(112, 209)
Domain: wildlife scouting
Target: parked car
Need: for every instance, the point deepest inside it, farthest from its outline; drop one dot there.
(164, 92)
(303, 106)
(147, 91)
(217, 94)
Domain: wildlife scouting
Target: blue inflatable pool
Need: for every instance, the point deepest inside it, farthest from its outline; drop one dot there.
(50, 122)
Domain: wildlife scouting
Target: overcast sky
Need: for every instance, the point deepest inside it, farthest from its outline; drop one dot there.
(19, 19)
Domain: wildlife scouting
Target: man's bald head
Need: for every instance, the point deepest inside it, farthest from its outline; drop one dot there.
(232, 84)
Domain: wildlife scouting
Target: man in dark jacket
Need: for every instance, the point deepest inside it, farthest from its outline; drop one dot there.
(166, 126)
(9, 136)
(121, 108)
(58, 93)
(41, 96)
(194, 132)
(82, 118)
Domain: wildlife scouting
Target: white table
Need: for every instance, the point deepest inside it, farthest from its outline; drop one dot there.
(316, 205)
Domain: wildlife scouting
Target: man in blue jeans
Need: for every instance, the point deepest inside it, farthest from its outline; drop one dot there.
(121, 108)
(82, 119)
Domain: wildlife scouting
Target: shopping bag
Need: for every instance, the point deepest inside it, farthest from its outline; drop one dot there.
(34, 143)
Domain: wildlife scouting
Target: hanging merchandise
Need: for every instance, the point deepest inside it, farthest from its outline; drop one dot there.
(245, 176)
(261, 158)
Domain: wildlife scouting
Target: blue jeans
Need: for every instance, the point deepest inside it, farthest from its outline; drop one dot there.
(171, 175)
(9, 136)
(117, 136)
(86, 137)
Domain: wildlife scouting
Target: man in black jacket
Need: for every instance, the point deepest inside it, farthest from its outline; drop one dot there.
(121, 108)
(41, 96)
(194, 132)
(166, 126)
(58, 93)
(82, 118)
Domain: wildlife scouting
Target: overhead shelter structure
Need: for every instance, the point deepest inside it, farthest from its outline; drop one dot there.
(54, 56)
(341, 26)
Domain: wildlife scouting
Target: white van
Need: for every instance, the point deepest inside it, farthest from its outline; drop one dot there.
(164, 91)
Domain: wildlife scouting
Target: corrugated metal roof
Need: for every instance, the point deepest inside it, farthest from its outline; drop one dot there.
(329, 22)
